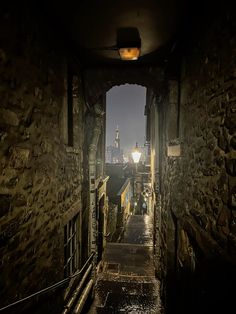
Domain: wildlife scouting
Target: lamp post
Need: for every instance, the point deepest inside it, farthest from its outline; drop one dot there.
(136, 154)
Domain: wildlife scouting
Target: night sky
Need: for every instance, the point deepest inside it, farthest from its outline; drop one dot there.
(125, 108)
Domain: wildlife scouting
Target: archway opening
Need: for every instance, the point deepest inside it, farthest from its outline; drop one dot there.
(125, 122)
(125, 129)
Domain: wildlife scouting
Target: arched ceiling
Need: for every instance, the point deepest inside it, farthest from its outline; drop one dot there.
(92, 26)
(99, 81)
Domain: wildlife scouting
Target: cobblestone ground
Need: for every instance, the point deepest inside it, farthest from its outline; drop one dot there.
(127, 283)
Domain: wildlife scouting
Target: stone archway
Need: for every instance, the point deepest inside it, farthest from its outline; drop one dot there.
(99, 81)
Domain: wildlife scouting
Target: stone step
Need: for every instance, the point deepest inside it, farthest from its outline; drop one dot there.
(129, 303)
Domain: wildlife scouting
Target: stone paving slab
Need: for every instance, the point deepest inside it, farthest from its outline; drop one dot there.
(106, 286)
(127, 282)
(128, 296)
(139, 230)
(129, 259)
(135, 304)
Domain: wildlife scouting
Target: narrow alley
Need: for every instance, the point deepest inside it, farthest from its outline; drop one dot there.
(126, 283)
(117, 157)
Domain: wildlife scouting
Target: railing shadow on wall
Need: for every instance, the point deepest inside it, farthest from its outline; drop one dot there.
(75, 288)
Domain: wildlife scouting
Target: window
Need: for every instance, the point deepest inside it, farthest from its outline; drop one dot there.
(71, 246)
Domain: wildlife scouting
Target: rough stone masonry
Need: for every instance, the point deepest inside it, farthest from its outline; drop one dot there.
(40, 174)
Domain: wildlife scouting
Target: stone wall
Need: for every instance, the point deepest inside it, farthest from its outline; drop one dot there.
(111, 221)
(40, 175)
(199, 186)
(98, 81)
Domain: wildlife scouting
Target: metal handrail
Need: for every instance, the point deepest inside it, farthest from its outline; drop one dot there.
(52, 287)
(77, 291)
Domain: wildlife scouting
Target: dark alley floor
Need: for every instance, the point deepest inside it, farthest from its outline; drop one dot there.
(127, 283)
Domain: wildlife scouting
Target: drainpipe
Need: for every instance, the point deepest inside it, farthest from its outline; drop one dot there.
(98, 114)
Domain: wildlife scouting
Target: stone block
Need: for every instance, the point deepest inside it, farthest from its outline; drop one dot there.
(222, 142)
(233, 142)
(202, 220)
(232, 197)
(209, 172)
(37, 151)
(46, 146)
(5, 204)
(230, 124)
(223, 221)
(10, 229)
(14, 243)
(10, 183)
(27, 120)
(19, 200)
(19, 157)
(233, 200)
(8, 117)
(231, 166)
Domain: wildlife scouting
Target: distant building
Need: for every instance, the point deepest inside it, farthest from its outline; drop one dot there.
(117, 139)
(114, 154)
(120, 193)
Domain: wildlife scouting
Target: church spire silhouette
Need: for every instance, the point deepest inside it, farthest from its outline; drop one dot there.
(117, 138)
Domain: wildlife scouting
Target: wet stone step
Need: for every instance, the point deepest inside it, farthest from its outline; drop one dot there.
(106, 286)
(127, 303)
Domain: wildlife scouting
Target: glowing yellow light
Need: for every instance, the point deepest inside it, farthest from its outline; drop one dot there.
(129, 54)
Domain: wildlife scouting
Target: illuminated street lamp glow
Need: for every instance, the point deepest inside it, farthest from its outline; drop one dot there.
(136, 154)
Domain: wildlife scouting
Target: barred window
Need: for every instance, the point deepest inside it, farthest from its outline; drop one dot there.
(71, 246)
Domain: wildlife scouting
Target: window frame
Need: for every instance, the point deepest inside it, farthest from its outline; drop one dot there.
(72, 246)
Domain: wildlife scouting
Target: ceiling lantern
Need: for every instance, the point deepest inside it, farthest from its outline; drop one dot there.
(128, 43)
(129, 53)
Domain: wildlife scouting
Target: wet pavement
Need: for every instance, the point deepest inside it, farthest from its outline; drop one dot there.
(139, 230)
(127, 282)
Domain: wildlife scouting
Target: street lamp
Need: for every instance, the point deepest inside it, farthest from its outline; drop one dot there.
(136, 154)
